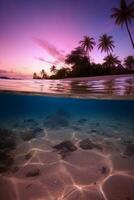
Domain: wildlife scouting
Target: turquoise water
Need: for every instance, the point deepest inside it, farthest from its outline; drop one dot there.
(67, 148)
(15, 108)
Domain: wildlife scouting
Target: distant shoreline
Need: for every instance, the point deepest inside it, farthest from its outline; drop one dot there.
(104, 77)
(8, 78)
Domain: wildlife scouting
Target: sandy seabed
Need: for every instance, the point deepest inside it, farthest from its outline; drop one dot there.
(74, 167)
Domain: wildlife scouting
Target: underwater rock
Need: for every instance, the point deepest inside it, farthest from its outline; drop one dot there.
(129, 151)
(28, 155)
(82, 121)
(76, 128)
(58, 119)
(35, 172)
(37, 130)
(56, 122)
(26, 136)
(103, 170)
(7, 140)
(65, 148)
(93, 131)
(30, 122)
(88, 144)
(66, 144)
(7, 144)
(5, 162)
(63, 113)
(32, 133)
(127, 142)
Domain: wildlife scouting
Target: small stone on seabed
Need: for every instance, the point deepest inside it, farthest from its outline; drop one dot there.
(5, 162)
(68, 145)
(35, 172)
(129, 151)
(7, 140)
(64, 148)
(88, 144)
(103, 170)
(28, 155)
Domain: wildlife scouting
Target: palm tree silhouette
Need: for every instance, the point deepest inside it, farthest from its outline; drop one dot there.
(53, 69)
(43, 74)
(75, 56)
(124, 15)
(106, 43)
(129, 62)
(35, 76)
(87, 44)
(111, 61)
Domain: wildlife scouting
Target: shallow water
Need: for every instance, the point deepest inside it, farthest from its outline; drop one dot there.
(94, 87)
(55, 148)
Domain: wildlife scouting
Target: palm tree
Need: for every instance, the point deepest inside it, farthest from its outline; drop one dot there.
(43, 74)
(75, 56)
(106, 43)
(35, 76)
(87, 44)
(129, 62)
(124, 15)
(111, 61)
(53, 69)
(79, 62)
(62, 73)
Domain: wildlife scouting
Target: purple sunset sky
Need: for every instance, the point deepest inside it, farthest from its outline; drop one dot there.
(35, 34)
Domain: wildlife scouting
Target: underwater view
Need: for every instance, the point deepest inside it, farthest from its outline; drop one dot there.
(66, 148)
(66, 100)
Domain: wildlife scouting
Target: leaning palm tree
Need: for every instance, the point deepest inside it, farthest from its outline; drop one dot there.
(111, 61)
(87, 44)
(53, 69)
(106, 43)
(43, 74)
(129, 62)
(124, 15)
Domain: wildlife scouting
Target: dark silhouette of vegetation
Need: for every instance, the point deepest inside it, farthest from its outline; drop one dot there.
(124, 15)
(43, 75)
(62, 73)
(79, 62)
(87, 44)
(129, 62)
(35, 75)
(80, 65)
(111, 61)
(106, 43)
(53, 69)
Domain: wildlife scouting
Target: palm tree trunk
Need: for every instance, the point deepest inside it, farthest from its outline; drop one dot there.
(129, 34)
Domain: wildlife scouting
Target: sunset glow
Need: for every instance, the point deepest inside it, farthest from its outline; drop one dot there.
(36, 34)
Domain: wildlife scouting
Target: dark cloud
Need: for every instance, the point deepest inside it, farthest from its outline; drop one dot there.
(46, 61)
(2, 71)
(43, 60)
(51, 49)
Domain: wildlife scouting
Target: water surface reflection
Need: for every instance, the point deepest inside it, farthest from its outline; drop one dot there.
(99, 87)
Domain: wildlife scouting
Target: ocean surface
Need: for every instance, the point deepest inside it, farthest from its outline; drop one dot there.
(68, 139)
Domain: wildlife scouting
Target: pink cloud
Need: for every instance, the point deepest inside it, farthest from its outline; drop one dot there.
(51, 50)
(12, 74)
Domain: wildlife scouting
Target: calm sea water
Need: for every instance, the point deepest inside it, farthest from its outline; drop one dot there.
(15, 108)
(99, 87)
(109, 114)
